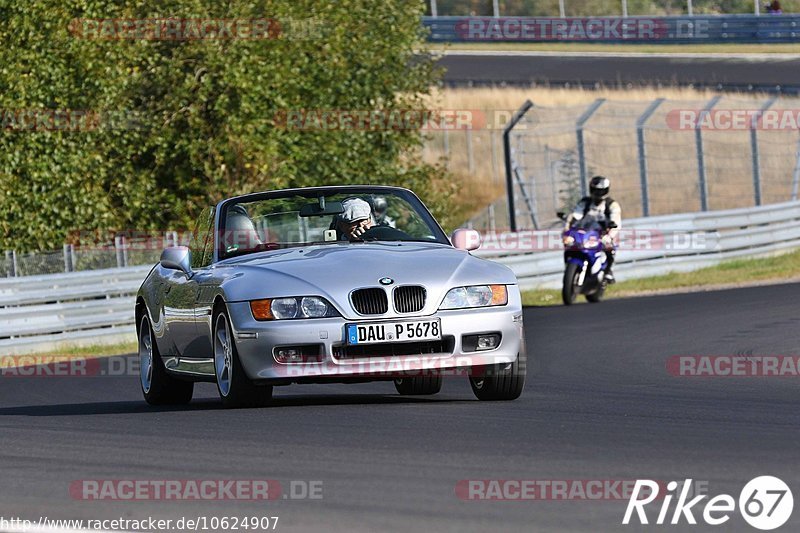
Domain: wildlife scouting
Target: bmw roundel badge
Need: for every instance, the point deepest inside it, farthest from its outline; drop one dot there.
(386, 281)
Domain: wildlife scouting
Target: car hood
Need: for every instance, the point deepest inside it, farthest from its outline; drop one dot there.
(334, 270)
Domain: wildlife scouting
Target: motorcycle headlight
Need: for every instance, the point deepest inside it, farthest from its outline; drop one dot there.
(292, 307)
(475, 296)
(591, 243)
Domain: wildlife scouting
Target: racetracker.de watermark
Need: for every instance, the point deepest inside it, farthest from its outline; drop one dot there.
(428, 120)
(638, 239)
(578, 29)
(194, 29)
(728, 366)
(558, 489)
(194, 489)
(32, 120)
(733, 119)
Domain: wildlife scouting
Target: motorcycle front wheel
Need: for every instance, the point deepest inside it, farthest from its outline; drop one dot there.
(569, 290)
(597, 295)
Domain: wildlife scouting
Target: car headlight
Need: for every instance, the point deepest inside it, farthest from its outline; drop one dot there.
(292, 307)
(475, 296)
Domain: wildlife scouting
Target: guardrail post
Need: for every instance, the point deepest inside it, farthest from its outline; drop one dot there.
(754, 149)
(640, 122)
(122, 251)
(581, 148)
(14, 264)
(512, 215)
(701, 164)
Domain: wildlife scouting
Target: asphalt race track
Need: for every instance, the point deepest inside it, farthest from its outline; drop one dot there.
(600, 406)
(762, 72)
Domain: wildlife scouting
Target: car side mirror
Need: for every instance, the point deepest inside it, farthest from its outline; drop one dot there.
(177, 258)
(466, 239)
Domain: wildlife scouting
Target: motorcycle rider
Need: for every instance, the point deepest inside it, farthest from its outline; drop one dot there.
(379, 207)
(605, 209)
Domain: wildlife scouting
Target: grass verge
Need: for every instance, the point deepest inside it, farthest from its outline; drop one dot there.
(81, 352)
(728, 274)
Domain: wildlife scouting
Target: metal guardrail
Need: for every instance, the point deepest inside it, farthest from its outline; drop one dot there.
(729, 234)
(698, 29)
(39, 313)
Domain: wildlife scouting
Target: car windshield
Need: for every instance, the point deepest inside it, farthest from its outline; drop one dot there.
(321, 217)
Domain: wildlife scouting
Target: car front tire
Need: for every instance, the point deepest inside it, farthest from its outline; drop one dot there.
(235, 389)
(158, 387)
(499, 382)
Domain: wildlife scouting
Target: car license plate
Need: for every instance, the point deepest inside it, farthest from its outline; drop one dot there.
(420, 330)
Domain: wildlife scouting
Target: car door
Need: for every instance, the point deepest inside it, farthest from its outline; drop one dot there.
(199, 346)
(179, 302)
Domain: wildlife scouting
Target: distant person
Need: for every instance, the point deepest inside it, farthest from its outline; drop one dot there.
(774, 8)
(379, 208)
(605, 210)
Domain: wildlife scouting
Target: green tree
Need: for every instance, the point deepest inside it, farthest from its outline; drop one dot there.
(187, 122)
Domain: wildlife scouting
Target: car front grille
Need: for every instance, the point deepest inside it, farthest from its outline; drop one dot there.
(371, 301)
(443, 346)
(409, 299)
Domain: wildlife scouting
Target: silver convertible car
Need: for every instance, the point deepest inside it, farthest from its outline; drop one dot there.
(327, 284)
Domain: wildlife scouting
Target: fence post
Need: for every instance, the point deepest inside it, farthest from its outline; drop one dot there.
(689, 8)
(756, 7)
(754, 149)
(624, 8)
(122, 251)
(493, 143)
(470, 155)
(548, 163)
(796, 177)
(14, 264)
(9, 264)
(640, 122)
(496, 7)
(562, 12)
(579, 133)
(434, 11)
(68, 261)
(512, 218)
(701, 164)
(446, 147)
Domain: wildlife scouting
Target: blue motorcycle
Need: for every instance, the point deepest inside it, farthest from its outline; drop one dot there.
(586, 260)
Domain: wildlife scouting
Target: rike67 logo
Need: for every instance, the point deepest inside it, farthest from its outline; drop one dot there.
(765, 503)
